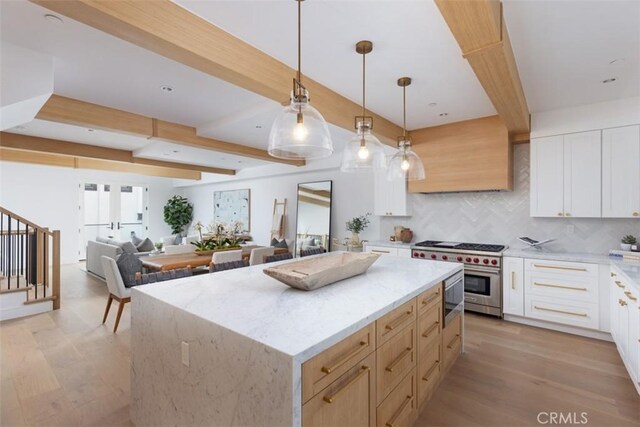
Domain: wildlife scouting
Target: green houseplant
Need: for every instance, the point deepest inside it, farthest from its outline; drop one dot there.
(627, 241)
(178, 213)
(356, 226)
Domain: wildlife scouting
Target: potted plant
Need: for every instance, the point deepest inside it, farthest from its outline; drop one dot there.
(627, 241)
(158, 246)
(178, 213)
(356, 226)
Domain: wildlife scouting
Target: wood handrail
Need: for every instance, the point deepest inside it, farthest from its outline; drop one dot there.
(22, 220)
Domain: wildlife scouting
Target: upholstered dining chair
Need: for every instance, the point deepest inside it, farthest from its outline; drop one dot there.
(311, 251)
(117, 290)
(230, 265)
(225, 256)
(278, 257)
(258, 254)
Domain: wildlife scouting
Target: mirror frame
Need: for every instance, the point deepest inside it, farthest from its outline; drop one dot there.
(295, 246)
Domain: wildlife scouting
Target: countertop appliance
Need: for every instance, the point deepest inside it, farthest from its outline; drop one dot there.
(482, 270)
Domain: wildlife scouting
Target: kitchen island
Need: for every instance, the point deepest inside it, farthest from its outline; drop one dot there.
(239, 348)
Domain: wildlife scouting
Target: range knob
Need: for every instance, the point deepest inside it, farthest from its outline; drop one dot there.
(444, 257)
(467, 259)
(494, 262)
(486, 261)
(476, 260)
(416, 255)
(459, 259)
(433, 256)
(421, 254)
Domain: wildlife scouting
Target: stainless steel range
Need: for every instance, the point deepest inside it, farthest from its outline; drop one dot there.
(482, 270)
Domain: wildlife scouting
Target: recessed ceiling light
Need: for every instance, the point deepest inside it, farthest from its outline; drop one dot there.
(258, 127)
(444, 114)
(433, 104)
(611, 80)
(166, 88)
(53, 18)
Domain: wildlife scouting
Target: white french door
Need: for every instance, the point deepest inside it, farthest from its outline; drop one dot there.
(112, 211)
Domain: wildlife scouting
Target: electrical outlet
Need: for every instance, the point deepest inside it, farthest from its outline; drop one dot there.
(570, 229)
(185, 353)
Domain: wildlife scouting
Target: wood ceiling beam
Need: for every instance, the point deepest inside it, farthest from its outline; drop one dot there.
(71, 111)
(174, 32)
(478, 27)
(34, 144)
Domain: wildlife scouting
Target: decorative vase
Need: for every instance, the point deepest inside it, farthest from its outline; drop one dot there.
(355, 239)
(625, 246)
(406, 235)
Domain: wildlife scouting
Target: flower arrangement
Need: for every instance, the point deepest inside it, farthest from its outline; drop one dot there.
(224, 236)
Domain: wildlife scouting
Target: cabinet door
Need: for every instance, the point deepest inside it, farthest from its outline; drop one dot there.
(623, 325)
(349, 400)
(398, 206)
(582, 174)
(513, 285)
(621, 172)
(381, 196)
(614, 306)
(633, 349)
(547, 175)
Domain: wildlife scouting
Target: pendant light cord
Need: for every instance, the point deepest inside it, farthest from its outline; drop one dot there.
(364, 99)
(404, 112)
(299, 42)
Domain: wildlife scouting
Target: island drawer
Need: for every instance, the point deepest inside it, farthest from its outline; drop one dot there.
(391, 323)
(429, 299)
(451, 342)
(428, 372)
(349, 400)
(400, 408)
(324, 368)
(429, 328)
(395, 359)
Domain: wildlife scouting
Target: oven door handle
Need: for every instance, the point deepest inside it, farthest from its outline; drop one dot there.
(481, 270)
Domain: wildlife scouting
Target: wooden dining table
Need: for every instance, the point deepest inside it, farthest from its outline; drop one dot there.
(171, 262)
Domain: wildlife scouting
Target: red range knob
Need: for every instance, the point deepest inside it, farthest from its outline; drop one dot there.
(476, 260)
(486, 261)
(433, 256)
(459, 259)
(444, 257)
(468, 259)
(416, 255)
(421, 255)
(494, 262)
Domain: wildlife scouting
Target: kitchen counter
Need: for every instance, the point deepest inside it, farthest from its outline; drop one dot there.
(389, 244)
(631, 270)
(247, 336)
(541, 253)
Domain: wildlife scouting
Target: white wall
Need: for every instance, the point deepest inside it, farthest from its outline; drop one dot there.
(352, 196)
(49, 196)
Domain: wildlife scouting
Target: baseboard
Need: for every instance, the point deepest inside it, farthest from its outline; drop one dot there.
(605, 336)
(25, 310)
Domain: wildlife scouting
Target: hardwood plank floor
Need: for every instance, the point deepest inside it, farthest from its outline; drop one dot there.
(65, 368)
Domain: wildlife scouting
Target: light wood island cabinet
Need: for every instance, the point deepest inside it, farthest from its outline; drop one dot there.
(384, 374)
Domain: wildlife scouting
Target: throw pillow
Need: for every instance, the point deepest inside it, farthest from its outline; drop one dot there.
(136, 240)
(281, 244)
(274, 242)
(128, 248)
(145, 245)
(129, 265)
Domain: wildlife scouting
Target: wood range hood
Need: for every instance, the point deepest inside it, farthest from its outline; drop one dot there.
(473, 155)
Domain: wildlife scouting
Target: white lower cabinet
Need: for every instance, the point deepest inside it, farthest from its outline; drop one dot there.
(386, 250)
(513, 286)
(625, 322)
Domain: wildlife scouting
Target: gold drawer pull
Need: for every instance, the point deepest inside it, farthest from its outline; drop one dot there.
(630, 296)
(398, 321)
(402, 355)
(619, 284)
(513, 280)
(349, 355)
(450, 345)
(559, 311)
(391, 422)
(331, 399)
(621, 302)
(379, 251)
(557, 267)
(433, 298)
(559, 286)
(430, 371)
(434, 326)
(567, 214)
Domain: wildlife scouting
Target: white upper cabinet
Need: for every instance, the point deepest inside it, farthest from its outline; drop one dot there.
(547, 169)
(390, 197)
(566, 175)
(621, 172)
(582, 174)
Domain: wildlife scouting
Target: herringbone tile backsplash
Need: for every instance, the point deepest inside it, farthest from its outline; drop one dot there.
(500, 217)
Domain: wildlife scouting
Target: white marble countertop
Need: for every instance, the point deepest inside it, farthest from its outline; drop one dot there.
(631, 270)
(388, 244)
(541, 253)
(298, 323)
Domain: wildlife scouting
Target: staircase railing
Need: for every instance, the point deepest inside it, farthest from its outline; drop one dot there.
(29, 259)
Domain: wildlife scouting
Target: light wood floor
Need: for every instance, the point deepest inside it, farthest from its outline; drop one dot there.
(65, 368)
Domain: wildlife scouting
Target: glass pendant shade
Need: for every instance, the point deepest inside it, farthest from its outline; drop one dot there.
(363, 153)
(405, 164)
(300, 133)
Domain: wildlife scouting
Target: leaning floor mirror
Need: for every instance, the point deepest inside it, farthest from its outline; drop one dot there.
(313, 225)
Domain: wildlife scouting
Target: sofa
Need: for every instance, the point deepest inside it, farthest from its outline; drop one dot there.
(108, 247)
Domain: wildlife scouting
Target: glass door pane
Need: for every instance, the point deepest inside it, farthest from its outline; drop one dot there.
(132, 218)
(96, 201)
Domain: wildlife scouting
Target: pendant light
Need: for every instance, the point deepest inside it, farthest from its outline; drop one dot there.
(364, 152)
(300, 132)
(405, 164)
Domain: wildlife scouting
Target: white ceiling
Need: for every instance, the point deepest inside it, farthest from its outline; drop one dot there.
(564, 49)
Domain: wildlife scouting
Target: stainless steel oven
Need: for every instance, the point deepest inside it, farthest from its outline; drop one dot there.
(483, 289)
(453, 297)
